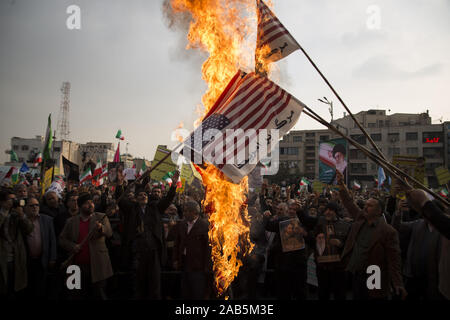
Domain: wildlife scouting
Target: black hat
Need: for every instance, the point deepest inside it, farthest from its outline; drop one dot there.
(332, 206)
(83, 197)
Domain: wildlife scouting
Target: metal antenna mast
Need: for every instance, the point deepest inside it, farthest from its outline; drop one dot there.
(63, 118)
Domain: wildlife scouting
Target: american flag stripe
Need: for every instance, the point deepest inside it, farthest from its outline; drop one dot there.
(249, 109)
(242, 94)
(272, 27)
(259, 117)
(273, 34)
(275, 37)
(251, 99)
(230, 88)
(241, 145)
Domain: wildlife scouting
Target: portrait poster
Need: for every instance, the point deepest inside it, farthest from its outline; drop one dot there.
(291, 237)
(113, 168)
(332, 156)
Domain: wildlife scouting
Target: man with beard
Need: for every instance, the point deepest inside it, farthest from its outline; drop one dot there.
(92, 257)
(144, 231)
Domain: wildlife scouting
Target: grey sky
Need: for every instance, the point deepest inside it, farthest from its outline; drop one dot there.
(129, 71)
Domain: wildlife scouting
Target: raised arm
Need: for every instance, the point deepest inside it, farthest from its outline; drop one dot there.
(346, 199)
(167, 200)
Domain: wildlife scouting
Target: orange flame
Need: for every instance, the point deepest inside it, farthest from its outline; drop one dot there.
(226, 29)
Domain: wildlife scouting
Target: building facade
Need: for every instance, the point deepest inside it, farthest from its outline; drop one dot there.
(28, 148)
(94, 151)
(396, 134)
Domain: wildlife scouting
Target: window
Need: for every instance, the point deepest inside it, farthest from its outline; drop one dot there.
(324, 138)
(372, 125)
(412, 151)
(310, 155)
(393, 151)
(309, 148)
(297, 138)
(376, 136)
(435, 153)
(57, 149)
(380, 123)
(285, 138)
(360, 138)
(310, 141)
(310, 161)
(24, 148)
(15, 147)
(411, 136)
(358, 168)
(357, 154)
(310, 134)
(293, 151)
(393, 137)
(21, 159)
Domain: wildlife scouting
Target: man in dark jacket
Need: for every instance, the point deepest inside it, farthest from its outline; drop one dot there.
(144, 225)
(440, 220)
(371, 242)
(41, 247)
(193, 254)
(422, 258)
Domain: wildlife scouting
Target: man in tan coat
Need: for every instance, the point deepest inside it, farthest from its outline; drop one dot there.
(371, 242)
(92, 257)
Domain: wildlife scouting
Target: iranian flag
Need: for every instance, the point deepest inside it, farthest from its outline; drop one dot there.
(168, 179)
(98, 168)
(15, 175)
(104, 171)
(86, 176)
(142, 170)
(37, 160)
(98, 182)
(119, 135)
(356, 185)
(9, 173)
(304, 182)
(443, 192)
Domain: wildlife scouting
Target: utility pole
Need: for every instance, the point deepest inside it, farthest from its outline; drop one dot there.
(330, 103)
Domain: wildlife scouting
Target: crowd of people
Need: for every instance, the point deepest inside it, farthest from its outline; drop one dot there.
(143, 241)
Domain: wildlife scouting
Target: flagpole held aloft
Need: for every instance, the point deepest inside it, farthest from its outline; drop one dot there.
(393, 170)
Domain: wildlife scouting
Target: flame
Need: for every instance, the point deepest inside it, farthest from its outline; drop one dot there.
(226, 29)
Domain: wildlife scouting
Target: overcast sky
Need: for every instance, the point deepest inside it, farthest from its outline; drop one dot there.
(129, 71)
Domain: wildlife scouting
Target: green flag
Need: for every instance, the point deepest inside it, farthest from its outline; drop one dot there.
(14, 157)
(48, 139)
